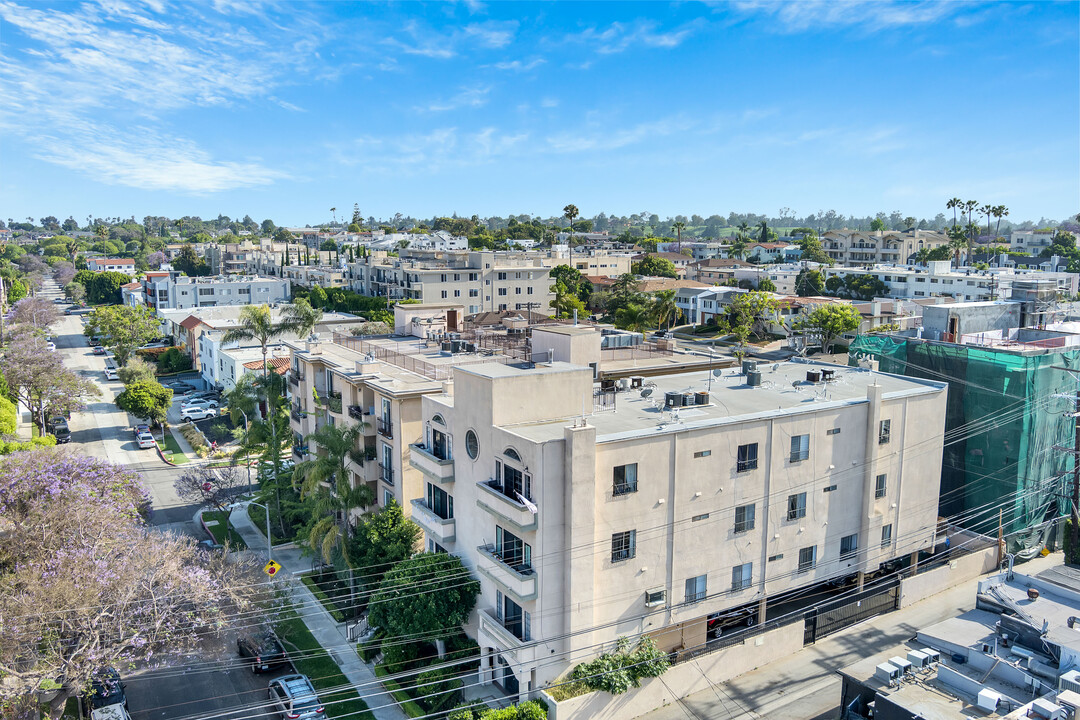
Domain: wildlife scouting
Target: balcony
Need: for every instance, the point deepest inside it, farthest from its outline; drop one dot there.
(297, 414)
(384, 428)
(299, 452)
(519, 580)
(295, 378)
(333, 400)
(430, 464)
(386, 474)
(438, 529)
(505, 508)
(356, 412)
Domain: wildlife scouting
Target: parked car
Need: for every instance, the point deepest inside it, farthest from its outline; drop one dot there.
(197, 402)
(196, 412)
(58, 426)
(294, 697)
(60, 301)
(94, 340)
(141, 428)
(180, 387)
(263, 649)
(106, 691)
(205, 395)
(146, 440)
(98, 350)
(111, 374)
(51, 346)
(721, 621)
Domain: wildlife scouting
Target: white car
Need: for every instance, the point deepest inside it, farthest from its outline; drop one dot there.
(146, 440)
(198, 402)
(197, 413)
(51, 346)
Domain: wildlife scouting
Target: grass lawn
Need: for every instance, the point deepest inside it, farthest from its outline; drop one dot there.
(172, 449)
(322, 670)
(313, 586)
(224, 530)
(405, 699)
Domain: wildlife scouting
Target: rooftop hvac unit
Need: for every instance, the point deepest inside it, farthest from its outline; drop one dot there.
(828, 375)
(1070, 681)
(887, 673)
(899, 662)
(918, 659)
(813, 376)
(1046, 710)
(687, 399)
(637, 381)
(988, 699)
(624, 384)
(672, 399)
(933, 656)
(753, 378)
(748, 365)
(1070, 701)
(701, 398)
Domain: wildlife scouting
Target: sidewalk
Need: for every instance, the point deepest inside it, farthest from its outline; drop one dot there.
(325, 629)
(805, 685)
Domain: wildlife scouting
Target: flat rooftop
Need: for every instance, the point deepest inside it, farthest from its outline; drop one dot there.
(783, 391)
(389, 378)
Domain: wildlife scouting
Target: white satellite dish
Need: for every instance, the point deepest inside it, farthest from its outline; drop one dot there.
(646, 392)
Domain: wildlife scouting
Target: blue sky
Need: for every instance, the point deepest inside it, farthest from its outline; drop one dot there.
(285, 110)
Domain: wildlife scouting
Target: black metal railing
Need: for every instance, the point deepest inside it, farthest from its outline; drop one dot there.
(295, 377)
(356, 412)
(384, 428)
(298, 414)
(386, 472)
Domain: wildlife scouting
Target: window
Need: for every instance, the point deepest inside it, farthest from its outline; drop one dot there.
(474, 293)
(800, 448)
(774, 558)
(703, 453)
(512, 550)
(473, 276)
(472, 444)
(530, 290)
(695, 589)
(387, 498)
(747, 459)
(833, 431)
(502, 291)
(444, 294)
(501, 276)
(625, 479)
(849, 545)
(457, 293)
(742, 576)
(884, 430)
(623, 545)
(796, 506)
(829, 488)
(886, 535)
(744, 518)
(440, 502)
(655, 597)
(807, 558)
(879, 487)
(697, 518)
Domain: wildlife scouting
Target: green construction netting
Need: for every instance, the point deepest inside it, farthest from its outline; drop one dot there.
(1001, 425)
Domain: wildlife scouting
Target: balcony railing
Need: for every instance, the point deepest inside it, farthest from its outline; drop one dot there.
(519, 579)
(384, 428)
(430, 464)
(441, 530)
(510, 509)
(386, 473)
(334, 402)
(295, 377)
(298, 414)
(356, 412)
(299, 452)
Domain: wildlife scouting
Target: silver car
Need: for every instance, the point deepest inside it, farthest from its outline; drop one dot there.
(294, 697)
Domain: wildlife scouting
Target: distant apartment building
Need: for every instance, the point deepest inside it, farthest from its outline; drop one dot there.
(599, 263)
(939, 278)
(120, 265)
(481, 281)
(592, 511)
(170, 291)
(1030, 241)
(773, 252)
(715, 271)
(854, 248)
(309, 276)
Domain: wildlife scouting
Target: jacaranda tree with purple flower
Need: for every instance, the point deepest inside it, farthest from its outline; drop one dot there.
(85, 584)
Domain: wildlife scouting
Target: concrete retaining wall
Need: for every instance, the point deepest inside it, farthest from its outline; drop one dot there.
(968, 567)
(683, 679)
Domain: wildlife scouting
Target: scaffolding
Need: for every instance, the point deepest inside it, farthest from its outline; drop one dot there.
(1002, 424)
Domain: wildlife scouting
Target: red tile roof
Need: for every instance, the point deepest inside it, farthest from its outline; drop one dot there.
(190, 322)
(278, 365)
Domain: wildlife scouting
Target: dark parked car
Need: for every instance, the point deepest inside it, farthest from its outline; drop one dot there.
(105, 689)
(720, 622)
(263, 649)
(59, 428)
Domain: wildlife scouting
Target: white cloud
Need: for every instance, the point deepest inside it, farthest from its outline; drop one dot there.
(868, 15)
(549, 102)
(429, 43)
(619, 37)
(518, 66)
(439, 149)
(611, 138)
(473, 97)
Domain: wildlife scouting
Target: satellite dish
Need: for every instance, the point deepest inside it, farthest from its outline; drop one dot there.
(776, 367)
(717, 372)
(646, 392)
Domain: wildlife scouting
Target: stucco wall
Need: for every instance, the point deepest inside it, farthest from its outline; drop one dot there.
(914, 589)
(682, 680)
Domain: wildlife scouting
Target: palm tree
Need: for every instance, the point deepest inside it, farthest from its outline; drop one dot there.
(333, 211)
(664, 308)
(957, 242)
(953, 205)
(633, 317)
(571, 211)
(301, 318)
(326, 478)
(922, 255)
(72, 248)
(678, 226)
(1000, 211)
(743, 228)
(738, 246)
(988, 211)
(764, 236)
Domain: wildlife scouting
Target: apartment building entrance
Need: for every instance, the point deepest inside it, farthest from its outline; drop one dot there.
(506, 679)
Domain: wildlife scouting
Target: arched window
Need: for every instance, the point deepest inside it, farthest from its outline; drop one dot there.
(438, 419)
(511, 453)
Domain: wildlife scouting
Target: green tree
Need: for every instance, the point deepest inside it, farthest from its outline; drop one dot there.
(828, 322)
(76, 292)
(571, 211)
(808, 283)
(301, 318)
(877, 225)
(766, 285)
(381, 540)
(123, 328)
(813, 250)
(678, 226)
(146, 401)
(317, 297)
(664, 310)
(568, 276)
(191, 264)
(738, 247)
(326, 479)
(957, 242)
(566, 301)
(429, 596)
(633, 317)
(103, 288)
(137, 370)
(749, 313)
(16, 291)
(281, 235)
(653, 266)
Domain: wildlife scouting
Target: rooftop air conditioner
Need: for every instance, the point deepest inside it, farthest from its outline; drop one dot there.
(1070, 681)
(887, 673)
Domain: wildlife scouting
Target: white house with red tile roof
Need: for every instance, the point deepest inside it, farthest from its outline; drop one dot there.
(122, 265)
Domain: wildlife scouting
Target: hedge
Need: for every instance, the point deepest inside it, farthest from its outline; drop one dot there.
(411, 708)
(327, 603)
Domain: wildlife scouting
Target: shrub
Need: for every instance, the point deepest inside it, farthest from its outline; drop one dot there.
(528, 710)
(623, 669)
(173, 361)
(369, 649)
(437, 689)
(7, 416)
(1072, 553)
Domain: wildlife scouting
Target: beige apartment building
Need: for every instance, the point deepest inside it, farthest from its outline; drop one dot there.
(331, 384)
(590, 512)
(481, 281)
(855, 248)
(595, 262)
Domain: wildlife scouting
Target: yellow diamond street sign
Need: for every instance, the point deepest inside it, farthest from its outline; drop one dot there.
(271, 568)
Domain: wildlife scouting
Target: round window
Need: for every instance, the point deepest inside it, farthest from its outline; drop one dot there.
(472, 444)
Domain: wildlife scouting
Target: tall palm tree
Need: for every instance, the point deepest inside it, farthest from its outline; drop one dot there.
(957, 242)
(744, 228)
(571, 211)
(326, 478)
(633, 317)
(738, 246)
(764, 234)
(301, 318)
(333, 212)
(922, 255)
(678, 226)
(953, 205)
(1000, 211)
(72, 248)
(664, 309)
(988, 211)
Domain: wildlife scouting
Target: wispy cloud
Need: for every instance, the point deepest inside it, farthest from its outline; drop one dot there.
(423, 41)
(619, 37)
(519, 66)
(868, 15)
(612, 138)
(438, 149)
(473, 97)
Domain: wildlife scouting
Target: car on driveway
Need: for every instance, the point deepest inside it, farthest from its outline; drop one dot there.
(58, 426)
(719, 623)
(60, 301)
(197, 402)
(146, 440)
(51, 346)
(140, 429)
(189, 414)
(263, 650)
(180, 387)
(266, 469)
(294, 698)
(98, 350)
